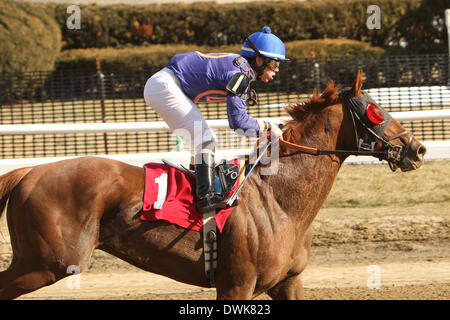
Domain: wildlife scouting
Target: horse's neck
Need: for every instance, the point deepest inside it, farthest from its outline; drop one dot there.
(303, 181)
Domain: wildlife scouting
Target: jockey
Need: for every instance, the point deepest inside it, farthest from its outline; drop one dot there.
(194, 77)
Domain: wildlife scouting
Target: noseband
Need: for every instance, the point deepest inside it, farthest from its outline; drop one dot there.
(367, 134)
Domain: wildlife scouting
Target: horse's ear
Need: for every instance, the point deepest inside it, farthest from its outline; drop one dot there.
(357, 85)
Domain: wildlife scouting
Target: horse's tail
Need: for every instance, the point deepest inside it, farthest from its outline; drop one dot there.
(7, 183)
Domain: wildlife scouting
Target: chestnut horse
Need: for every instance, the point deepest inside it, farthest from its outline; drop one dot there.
(58, 213)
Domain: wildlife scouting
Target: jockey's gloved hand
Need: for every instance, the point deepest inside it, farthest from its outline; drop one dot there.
(271, 129)
(276, 131)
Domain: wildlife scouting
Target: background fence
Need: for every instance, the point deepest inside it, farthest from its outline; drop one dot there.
(421, 83)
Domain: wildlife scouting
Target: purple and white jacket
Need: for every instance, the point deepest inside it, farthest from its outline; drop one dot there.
(204, 77)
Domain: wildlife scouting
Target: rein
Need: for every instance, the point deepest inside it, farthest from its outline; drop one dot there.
(394, 152)
(319, 152)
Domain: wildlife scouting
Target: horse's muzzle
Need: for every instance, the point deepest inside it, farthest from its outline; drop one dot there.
(413, 157)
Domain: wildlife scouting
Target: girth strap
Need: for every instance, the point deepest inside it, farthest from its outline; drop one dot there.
(210, 248)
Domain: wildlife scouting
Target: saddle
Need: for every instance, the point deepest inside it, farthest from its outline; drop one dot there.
(226, 176)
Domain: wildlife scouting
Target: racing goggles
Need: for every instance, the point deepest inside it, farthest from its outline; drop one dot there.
(273, 64)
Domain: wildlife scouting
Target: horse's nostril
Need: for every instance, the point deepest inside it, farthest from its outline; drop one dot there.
(421, 151)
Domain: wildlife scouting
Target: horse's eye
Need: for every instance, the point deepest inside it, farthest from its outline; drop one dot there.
(373, 115)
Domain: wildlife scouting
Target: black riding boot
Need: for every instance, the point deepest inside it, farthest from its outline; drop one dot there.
(207, 199)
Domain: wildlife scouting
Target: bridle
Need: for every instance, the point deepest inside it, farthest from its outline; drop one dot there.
(393, 154)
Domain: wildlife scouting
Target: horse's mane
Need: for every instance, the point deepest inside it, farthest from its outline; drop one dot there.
(299, 111)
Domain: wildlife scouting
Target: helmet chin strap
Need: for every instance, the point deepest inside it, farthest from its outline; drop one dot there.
(252, 61)
(258, 69)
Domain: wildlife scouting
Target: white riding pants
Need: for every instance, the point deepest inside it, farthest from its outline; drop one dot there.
(164, 94)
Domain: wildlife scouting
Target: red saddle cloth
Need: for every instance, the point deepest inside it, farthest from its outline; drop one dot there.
(169, 195)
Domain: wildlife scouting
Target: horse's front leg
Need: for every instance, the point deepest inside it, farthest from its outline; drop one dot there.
(236, 276)
(236, 287)
(288, 289)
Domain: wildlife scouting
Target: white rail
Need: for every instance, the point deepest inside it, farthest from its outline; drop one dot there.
(411, 96)
(19, 129)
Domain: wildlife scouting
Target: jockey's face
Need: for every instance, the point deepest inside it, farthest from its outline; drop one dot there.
(269, 71)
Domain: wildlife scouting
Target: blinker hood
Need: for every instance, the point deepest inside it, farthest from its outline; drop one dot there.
(367, 132)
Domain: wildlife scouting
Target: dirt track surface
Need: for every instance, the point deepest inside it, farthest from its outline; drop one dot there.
(411, 279)
(398, 257)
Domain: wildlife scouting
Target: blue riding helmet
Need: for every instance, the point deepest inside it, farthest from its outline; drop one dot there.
(266, 44)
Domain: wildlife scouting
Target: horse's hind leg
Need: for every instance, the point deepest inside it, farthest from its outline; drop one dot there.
(19, 280)
(26, 276)
(43, 257)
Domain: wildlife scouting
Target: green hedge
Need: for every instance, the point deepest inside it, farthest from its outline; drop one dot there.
(224, 24)
(158, 55)
(30, 39)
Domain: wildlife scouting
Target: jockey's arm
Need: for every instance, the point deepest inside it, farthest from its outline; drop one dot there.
(242, 123)
(238, 118)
